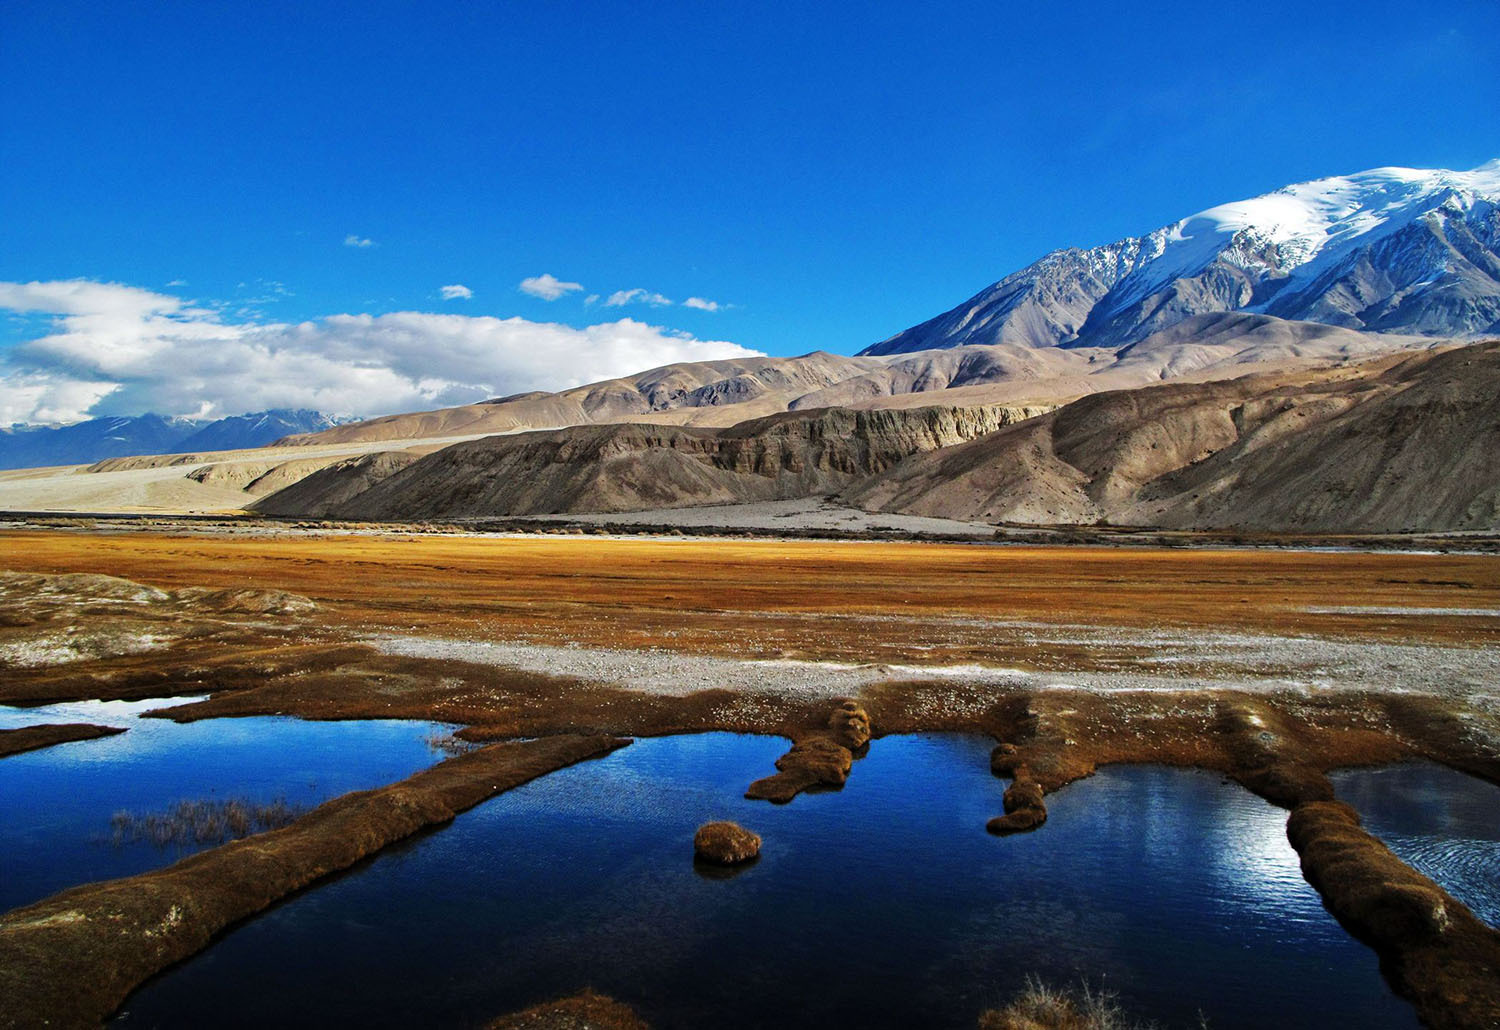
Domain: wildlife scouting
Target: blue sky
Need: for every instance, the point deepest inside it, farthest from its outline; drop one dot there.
(827, 174)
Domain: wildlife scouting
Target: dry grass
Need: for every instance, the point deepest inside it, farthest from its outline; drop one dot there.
(448, 744)
(202, 822)
(615, 592)
(1043, 1007)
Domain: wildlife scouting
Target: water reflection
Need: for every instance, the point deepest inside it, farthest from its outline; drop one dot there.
(56, 803)
(885, 904)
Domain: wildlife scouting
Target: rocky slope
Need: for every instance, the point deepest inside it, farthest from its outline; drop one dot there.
(1401, 443)
(1388, 250)
(628, 467)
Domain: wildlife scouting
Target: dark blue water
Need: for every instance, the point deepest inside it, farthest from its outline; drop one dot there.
(1443, 823)
(56, 803)
(882, 905)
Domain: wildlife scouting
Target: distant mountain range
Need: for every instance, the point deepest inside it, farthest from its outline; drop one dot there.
(1392, 250)
(1289, 362)
(99, 438)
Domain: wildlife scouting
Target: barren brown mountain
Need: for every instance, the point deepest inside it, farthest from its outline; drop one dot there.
(630, 467)
(1402, 442)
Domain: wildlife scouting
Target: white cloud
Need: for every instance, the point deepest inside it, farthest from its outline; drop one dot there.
(547, 286)
(458, 291)
(636, 296)
(701, 304)
(115, 349)
(591, 300)
(358, 241)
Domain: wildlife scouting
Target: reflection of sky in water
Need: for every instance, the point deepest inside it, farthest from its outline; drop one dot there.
(99, 713)
(56, 803)
(885, 904)
(1440, 821)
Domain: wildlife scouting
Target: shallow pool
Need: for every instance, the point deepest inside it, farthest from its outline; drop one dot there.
(886, 904)
(56, 803)
(1441, 822)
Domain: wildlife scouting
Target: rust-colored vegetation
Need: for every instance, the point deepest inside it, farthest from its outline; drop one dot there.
(639, 591)
(725, 843)
(821, 757)
(1433, 949)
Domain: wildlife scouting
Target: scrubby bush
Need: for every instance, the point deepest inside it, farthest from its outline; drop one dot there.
(1042, 1007)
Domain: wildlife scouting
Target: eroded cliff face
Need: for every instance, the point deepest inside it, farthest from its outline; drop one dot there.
(1400, 444)
(632, 467)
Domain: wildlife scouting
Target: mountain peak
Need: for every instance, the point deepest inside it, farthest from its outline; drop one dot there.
(1360, 251)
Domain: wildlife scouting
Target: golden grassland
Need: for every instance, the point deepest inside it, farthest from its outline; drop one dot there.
(608, 591)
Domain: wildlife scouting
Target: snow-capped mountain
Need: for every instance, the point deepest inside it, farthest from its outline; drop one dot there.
(258, 429)
(1389, 250)
(117, 436)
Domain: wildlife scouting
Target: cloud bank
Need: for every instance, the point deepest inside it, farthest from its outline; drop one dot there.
(111, 349)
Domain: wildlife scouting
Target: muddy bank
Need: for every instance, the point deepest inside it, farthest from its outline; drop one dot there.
(72, 959)
(32, 738)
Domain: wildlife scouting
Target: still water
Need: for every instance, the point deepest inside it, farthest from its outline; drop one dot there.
(883, 905)
(1439, 821)
(56, 803)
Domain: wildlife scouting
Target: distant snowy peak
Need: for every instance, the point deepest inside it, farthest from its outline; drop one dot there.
(121, 435)
(1325, 217)
(1390, 249)
(258, 429)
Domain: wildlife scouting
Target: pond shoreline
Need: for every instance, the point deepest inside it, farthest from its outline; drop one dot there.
(71, 959)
